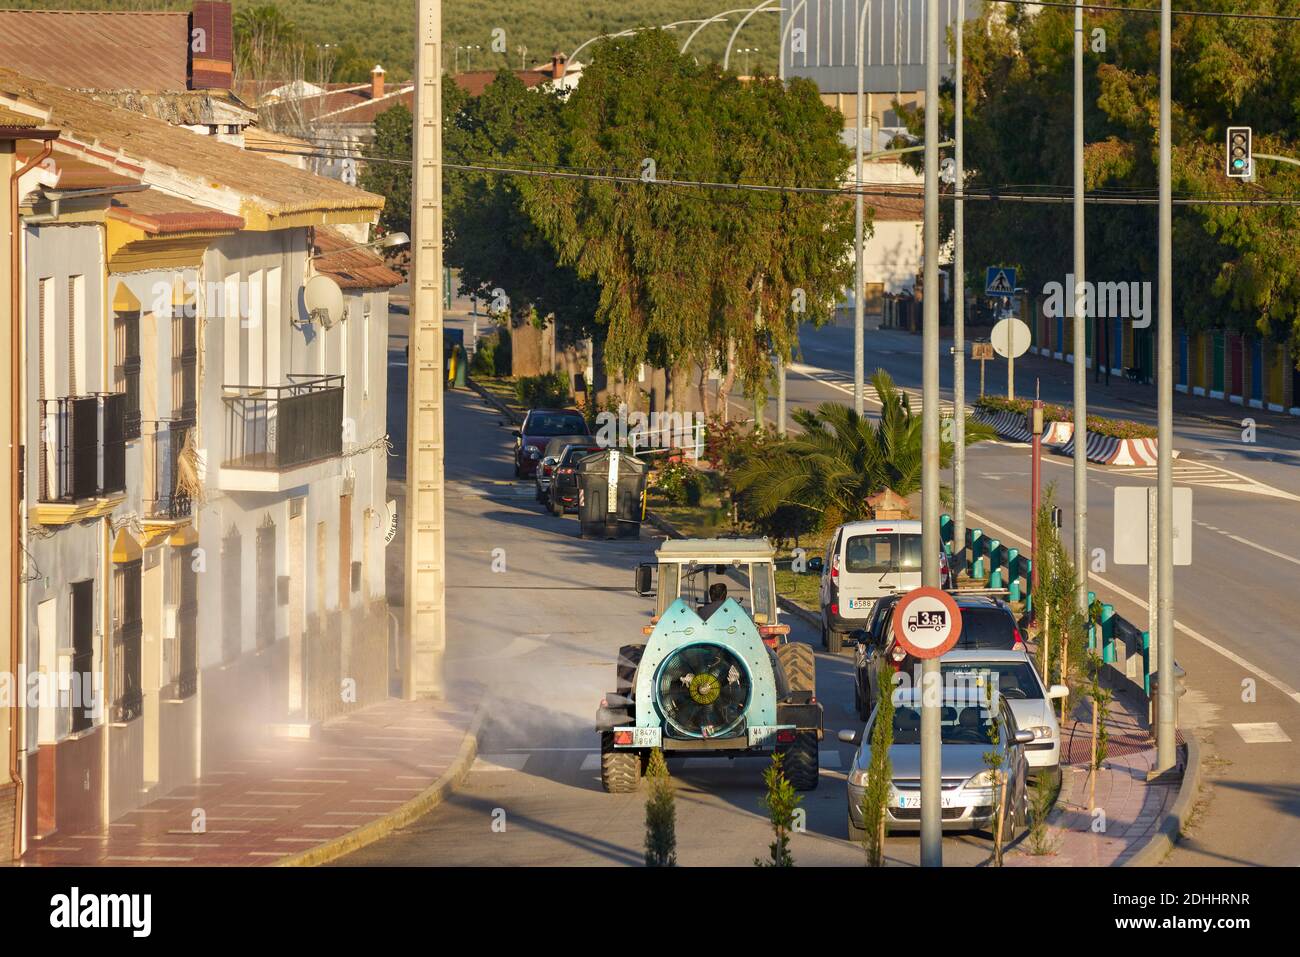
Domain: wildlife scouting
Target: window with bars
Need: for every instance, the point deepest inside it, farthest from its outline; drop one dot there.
(184, 362)
(128, 699)
(126, 373)
(83, 650)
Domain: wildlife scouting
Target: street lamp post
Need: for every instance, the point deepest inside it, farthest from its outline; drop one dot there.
(859, 357)
(931, 749)
(1080, 336)
(959, 307)
(726, 55)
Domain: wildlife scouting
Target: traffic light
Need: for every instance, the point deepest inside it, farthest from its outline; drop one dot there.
(1239, 163)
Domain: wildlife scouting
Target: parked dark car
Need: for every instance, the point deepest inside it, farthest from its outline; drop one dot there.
(540, 426)
(550, 458)
(563, 495)
(987, 624)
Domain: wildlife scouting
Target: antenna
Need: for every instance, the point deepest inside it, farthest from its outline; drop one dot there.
(324, 300)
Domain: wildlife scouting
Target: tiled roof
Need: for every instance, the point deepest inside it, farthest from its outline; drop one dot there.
(349, 105)
(75, 172)
(352, 268)
(126, 138)
(159, 213)
(97, 49)
(474, 82)
(16, 120)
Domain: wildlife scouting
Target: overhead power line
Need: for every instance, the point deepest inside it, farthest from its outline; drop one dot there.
(1030, 193)
(1155, 11)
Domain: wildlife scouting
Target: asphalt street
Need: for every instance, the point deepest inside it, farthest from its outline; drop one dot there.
(543, 635)
(1234, 606)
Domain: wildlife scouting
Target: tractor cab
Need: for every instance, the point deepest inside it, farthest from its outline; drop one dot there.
(705, 571)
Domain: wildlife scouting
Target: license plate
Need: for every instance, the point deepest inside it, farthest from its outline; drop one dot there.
(647, 737)
(914, 800)
(763, 737)
(862, 603)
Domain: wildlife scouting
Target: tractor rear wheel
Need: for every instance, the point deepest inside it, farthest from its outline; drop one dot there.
(800, 761)
(620, 770)
(629, 659)
(799, 665)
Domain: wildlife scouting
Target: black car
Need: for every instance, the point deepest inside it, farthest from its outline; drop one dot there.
(563, 494)
(550, 458)
(987, 624)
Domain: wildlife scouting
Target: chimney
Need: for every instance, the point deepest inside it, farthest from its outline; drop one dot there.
(211, 46)
(558, 62)
(377, 82)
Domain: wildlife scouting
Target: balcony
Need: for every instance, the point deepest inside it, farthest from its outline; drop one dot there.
(275, 435)
(82, 465)
(164, 498)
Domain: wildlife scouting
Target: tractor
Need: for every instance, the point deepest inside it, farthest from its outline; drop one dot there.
(716, 673)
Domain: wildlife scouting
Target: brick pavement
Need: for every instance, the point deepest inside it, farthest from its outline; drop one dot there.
(1132, 808)
(284, 795)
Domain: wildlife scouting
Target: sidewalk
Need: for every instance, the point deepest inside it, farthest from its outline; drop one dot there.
(373, 769)
(1133, 808)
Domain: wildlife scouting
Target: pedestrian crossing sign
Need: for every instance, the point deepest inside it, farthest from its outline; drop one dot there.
(1001, 281)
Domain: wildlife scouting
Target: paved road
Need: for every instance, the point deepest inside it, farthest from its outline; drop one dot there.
(543, 635)
(1236, 605)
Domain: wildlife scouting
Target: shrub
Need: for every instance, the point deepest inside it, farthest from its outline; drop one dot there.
(539, 391)
(1097, 425)
(492, 355)
(680, 484)
(660, 815)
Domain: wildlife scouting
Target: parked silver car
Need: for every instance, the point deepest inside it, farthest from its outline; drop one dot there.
(1029, 699)
(969, 729)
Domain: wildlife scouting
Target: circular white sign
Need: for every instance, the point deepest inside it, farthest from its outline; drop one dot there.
(927, 622)
(1010, 337)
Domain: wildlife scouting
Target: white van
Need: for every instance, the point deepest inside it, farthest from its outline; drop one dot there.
(866, 561)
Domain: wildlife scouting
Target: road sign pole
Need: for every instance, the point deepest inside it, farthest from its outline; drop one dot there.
(859, 353)
(1035, 480)
(931, 821)
(1080, 336)
(959, 310)
(1165, 743)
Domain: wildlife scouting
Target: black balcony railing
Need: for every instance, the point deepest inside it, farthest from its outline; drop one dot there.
(83, 447)
(281, 427)
(164, 441)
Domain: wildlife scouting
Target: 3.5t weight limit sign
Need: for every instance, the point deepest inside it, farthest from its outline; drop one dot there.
(927, 623)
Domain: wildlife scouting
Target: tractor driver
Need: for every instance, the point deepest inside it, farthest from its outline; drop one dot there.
(717, 595)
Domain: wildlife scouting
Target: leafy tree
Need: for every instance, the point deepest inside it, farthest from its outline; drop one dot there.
(660, 815)
(839, 458)
(1233, 266)
(393, 131)
(781, 801)
(691, 276)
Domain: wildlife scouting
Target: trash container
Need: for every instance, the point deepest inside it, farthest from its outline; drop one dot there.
(611, 489)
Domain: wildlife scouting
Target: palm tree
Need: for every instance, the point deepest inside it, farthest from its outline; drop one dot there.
(839, 458)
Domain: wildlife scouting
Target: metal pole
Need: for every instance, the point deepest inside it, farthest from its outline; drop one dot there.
(959, 312)
(931, 756)
(425, 603)
(1165, 744)
(859, 358)
(1080, 336)
(1035, 497)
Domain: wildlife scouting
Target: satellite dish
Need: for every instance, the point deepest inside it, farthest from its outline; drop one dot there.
(324, 300)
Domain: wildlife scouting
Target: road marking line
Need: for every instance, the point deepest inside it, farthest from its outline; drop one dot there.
(1245, 541)
(1263, 732)
(1232, 656)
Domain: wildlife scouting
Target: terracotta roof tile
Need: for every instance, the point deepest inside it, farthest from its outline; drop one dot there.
(159, 213)
(352, 268)
(98, 49)
(130, 139)
(75, 172)
(474, 82)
